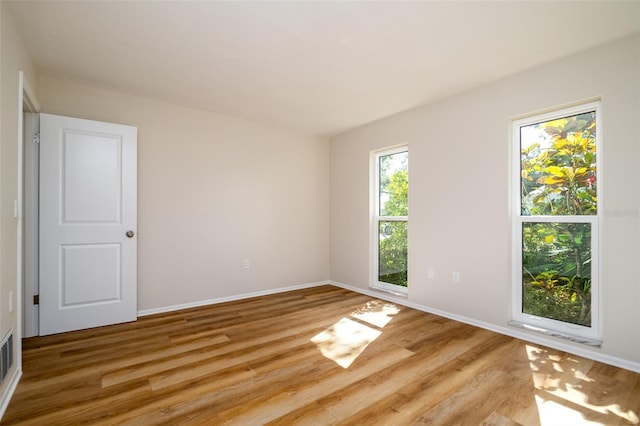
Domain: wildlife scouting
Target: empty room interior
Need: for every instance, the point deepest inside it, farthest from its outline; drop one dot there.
(321, 213)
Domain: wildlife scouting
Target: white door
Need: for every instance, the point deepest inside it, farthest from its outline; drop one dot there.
(88, 183)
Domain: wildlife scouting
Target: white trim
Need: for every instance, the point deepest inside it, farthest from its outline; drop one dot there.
(9, 390)
(28, 101)
(206, 302)
(393, 289)
(20, 236)
(594, 332)
(584, 341)
(531, 337)
(551, 112)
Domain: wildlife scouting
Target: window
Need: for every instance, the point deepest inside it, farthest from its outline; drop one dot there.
(556, 220)
(390, 220)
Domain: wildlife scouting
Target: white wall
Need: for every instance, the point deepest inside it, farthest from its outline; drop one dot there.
(459, 188)
(212, 191)
(13, 58)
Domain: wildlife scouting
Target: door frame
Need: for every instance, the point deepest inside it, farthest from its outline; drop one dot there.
(31, 226)
(27, 250)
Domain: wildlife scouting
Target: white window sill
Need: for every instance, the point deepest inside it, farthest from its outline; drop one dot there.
(582, 340)
(391, 291)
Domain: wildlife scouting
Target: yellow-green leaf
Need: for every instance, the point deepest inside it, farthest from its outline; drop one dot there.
(568, 172)
(555, 170)
(550, 180)
(560, 143)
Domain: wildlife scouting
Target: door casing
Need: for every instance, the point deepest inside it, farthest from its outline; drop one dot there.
(27, 228)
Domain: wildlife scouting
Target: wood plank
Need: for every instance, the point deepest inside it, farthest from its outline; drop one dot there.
(253, 362)
(303, 392)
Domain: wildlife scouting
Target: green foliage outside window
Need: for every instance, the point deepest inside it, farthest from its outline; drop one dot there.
(392, 235)
(559, 167)
(558, 178)
(557, 271)
(392, 262)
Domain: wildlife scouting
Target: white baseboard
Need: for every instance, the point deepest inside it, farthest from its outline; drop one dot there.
(9, 390)
(509, 331)
(199, 303)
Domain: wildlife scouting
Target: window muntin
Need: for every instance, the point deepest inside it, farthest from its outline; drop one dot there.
(556, 220)
(390, 220)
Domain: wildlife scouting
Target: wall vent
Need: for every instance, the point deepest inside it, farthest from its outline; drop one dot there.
(6, 355)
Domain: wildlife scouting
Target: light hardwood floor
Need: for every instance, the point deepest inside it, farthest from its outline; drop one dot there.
(319, 356)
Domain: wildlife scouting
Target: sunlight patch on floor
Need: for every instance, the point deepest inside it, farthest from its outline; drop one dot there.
(575, 396)
(552, 413)
(564, 380)
(345, 340)
(376, 313)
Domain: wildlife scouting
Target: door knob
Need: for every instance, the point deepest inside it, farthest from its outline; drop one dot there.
(130, 234)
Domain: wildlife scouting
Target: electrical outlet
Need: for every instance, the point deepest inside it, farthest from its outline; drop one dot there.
(431, 274)
(245, 264)
(455, 277)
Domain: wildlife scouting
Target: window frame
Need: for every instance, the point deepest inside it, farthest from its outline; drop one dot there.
(375, 219)
(547, 325)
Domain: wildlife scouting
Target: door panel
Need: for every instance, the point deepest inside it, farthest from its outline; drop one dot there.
(92, 177)
(90, 263)
(87, 204)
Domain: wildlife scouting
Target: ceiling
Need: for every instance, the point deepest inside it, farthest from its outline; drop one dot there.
(318, 67)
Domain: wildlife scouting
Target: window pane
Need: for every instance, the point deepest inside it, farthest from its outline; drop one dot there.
(394, 184)
(392, 252)
(558, 166)
(556, 269)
